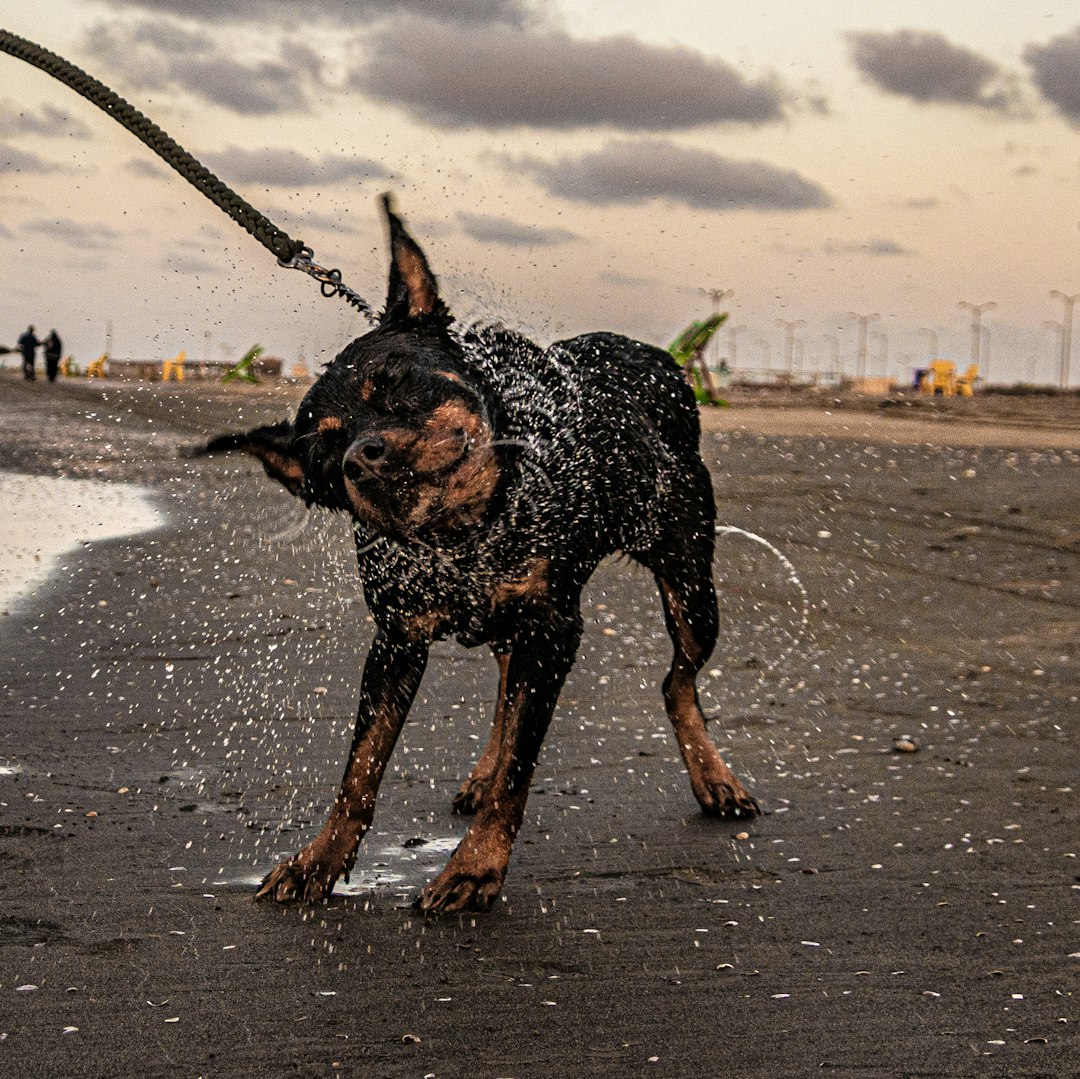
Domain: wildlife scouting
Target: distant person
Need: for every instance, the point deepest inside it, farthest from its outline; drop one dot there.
(53, 347)
(28, 345)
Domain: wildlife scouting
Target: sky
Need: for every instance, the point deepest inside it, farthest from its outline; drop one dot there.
(568, 165)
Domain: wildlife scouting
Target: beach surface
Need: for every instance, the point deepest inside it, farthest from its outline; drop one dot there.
(896, 679)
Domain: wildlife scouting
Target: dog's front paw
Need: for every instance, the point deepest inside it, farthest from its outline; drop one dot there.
(472, 878)
(451, 892)
(301, 878)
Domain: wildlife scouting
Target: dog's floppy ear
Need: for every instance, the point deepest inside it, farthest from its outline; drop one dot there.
(272, 445)
(413, 291)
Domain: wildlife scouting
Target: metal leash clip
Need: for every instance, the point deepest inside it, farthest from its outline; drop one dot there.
(330, 282)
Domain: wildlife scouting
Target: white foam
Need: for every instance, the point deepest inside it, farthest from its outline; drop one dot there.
(45, 517)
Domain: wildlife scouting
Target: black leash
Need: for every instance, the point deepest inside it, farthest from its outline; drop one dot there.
(290, 253)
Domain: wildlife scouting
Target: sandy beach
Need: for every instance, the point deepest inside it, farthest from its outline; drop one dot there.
(900, 690)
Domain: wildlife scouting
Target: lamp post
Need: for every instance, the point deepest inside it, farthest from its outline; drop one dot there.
(835, 342)
(883, 350)
(860, 359)
(1066, 336)
(976, 310)
(1059, 330)
(933, 337)
(717, 295)
(733, 334)
(789, 329)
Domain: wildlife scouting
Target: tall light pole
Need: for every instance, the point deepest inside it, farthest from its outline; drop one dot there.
(1066, 336)
(933, 336)
(860, 359)
(789, 329)
(976, 310)
(733, 334)
(717, 295)
(883, 353)
(1058, 329)
(835, 342)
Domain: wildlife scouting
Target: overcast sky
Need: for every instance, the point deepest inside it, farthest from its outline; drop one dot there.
(567, 165)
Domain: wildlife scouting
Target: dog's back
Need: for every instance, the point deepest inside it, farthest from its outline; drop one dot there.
(608, 430)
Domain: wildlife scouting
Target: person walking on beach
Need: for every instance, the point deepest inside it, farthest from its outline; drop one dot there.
(28, 344)
(53, 347)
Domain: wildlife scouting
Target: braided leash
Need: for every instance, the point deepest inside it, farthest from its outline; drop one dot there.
(290, 253)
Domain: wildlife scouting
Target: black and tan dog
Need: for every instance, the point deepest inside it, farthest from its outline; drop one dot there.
(487, 478)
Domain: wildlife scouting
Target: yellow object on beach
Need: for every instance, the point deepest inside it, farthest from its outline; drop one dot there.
(97, 368)
(941, 380)
(174, 368)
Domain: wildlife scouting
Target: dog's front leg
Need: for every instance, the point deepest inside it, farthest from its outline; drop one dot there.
(392, 676)
(472, 792)
(535, 672)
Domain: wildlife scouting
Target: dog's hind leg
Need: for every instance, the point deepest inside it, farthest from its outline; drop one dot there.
(392, 676)
(681, 563)
(468, 798)
(535, 672)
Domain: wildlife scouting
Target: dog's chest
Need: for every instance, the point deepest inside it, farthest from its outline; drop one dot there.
(429, 596)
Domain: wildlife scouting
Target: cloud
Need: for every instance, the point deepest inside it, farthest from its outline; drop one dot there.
(48, 121)
(300, 13)
(878, 248)
(160, 56)
(141, 166)
(1056, 71)
(275, 167)
(920, 202)
(189, 264)
(501, 230)
(302, 220)
(627, 171)
(77, 233)
(926, 67)
(510, 77)
(622, 280)
(15, 160)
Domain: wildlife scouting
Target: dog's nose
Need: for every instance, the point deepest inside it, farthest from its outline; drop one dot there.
(364, 459)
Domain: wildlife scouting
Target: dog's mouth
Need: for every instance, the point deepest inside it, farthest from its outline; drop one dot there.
(433, 485)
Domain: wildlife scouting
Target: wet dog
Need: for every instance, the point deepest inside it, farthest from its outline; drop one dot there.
(486, 478)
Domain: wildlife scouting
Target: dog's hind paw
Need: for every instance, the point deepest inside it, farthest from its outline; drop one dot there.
(728, 799)
(468, 800)
(294, 882)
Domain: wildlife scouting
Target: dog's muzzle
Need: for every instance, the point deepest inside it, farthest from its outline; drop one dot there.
(364, 459)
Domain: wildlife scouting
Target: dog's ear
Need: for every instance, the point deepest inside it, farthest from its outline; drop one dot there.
(413, 291)
(272, 445)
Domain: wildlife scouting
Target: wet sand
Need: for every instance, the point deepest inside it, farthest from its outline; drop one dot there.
(177, 705)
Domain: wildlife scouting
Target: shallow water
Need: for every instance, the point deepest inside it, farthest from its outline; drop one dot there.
(45, 517)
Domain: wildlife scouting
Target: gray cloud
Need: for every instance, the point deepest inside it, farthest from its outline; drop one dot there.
(878, 248)
(274, 167)
(511, 77)
(622, 280)
(303, 220)
(15, 160)
(78, 233)
(140, 166)
(920, 202)
(161, 56)
(339, 12)
(190, 264)
(500, 230)
(635, 171)
(48, 121)
(1056, 70)
(926, 67)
